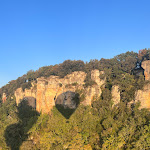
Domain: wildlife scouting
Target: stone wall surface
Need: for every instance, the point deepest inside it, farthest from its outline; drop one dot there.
(50, 89)
(115, 94)
(66, 99)
(4, 97)
(95, 76)
(20, 94)
(146, 66)
(143, 96)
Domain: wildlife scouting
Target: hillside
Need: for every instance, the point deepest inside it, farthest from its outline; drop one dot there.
(101, 104)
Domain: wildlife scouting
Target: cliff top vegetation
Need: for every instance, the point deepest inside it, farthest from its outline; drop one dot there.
(115, 69)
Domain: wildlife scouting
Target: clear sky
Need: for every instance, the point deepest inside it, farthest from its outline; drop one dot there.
(36, 33)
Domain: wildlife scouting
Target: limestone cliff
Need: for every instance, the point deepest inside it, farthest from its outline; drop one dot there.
(115, 94)
(4, 97)
(144, 95)
(54, 90)
(94, 90)
(27, 93)
(146, 66)
(51, 90)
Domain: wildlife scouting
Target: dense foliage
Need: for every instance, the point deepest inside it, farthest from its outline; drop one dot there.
(99, 126)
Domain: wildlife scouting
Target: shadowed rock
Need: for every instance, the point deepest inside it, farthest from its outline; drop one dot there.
(67, 102)
(31, 101)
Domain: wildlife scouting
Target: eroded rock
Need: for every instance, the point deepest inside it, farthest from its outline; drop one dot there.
(143, 96)
(115, 94)
(4, 97)
(146, 66)
(50, 89)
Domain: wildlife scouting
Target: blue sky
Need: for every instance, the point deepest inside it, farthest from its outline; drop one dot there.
(36, 33)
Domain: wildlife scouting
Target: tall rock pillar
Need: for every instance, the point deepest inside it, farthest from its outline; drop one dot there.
(146, 66)
(40, 99)
(4, 97)
(115, 94)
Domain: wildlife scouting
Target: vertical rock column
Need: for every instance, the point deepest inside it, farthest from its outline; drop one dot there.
(40, 97)
(143, 96)
(94, 90)
(19, 94)
(50, 95)
(115, 94)
(45, 95)
(95, 76)
(146, 66)
(4, 97)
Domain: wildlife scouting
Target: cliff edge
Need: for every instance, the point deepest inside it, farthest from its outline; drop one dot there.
(54, 90)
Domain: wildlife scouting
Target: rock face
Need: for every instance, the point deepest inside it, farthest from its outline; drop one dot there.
(48, 92)
(115, 94)
(144, 95)
(31, 101)
(53, 89)
(49, 89)
(146, 66)
(95, 76)
(20, 94)
(67, 100)
(94, 90)
(4, 97)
